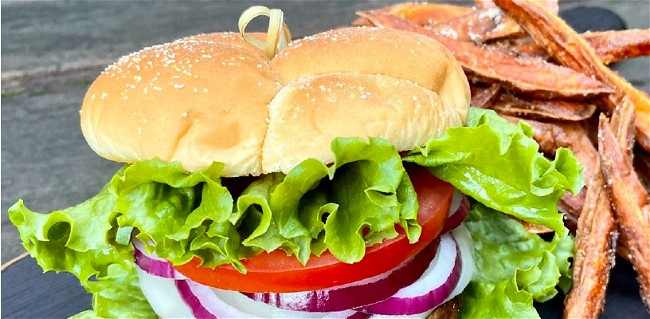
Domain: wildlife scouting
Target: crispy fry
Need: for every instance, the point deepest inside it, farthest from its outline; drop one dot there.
(573, 51)
(526, 75)
(484, 96)
(631, 203)
(458, 22)
(421, 13)
(610, 46)
(551, 5)
(587, 299)
(543, 109)
(479, 26)
(594, 254)
(613, 46)
(596, 238)
(622, 122)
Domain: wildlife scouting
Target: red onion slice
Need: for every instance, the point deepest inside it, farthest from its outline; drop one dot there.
(171, 298)
(203, 303)
(456, 218)
(210, 303)
(262, 310)
(352, 295)
(431, 289)
(153, 264)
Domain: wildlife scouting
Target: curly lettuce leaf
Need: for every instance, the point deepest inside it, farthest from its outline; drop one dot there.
(496, 300)
(81, 240)
(498, 164)
(120, 287)
(514, 267)
(180, 215)
(117, 295)
(171, 208)
(342, 208)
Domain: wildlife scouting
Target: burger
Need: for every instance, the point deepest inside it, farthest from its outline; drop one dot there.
(344, 176)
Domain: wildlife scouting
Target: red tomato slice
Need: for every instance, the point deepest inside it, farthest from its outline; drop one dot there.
(277, 272)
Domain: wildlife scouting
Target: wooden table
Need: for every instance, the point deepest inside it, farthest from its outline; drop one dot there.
(52, 51)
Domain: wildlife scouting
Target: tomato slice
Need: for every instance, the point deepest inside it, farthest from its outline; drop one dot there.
(278, 272)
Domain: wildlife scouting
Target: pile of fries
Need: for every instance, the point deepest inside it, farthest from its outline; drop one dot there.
(527, 64)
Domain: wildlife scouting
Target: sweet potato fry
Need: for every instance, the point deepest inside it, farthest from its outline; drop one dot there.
(613, 46)
(586, 300)
(526, 75)
(484, 96)
(551, 5)
(479, 26)
(594, 253)
(610, 46)
(631, 203)
(573, 51)
(485, 24)
(543, 109)
(622, 122)
(421, 13)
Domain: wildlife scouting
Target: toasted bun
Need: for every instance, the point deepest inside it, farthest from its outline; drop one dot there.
(214, 97)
